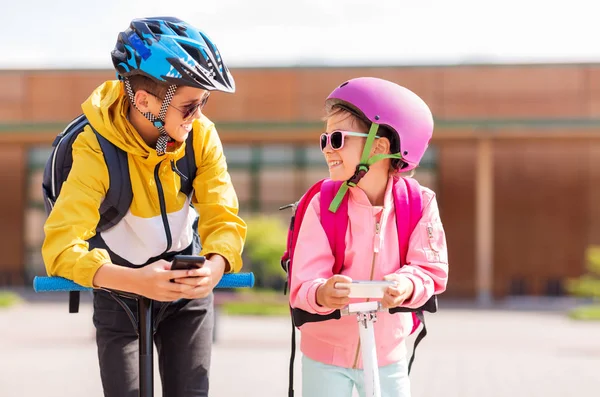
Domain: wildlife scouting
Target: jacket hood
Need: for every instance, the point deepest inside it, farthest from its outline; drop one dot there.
(106, 109)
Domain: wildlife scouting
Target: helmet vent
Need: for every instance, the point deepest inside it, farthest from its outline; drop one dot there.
(194, 52)
(154, 28)
(178, 29)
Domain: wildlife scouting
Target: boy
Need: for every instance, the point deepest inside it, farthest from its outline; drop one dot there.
(167, 69)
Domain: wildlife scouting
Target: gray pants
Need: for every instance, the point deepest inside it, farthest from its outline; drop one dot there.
(183, 340)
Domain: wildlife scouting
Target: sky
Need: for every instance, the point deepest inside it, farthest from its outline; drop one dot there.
(71, 34)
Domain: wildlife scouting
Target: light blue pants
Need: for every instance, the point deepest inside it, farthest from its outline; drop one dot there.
(322, 380)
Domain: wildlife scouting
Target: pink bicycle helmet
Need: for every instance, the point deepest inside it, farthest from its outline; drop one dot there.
(389, 104)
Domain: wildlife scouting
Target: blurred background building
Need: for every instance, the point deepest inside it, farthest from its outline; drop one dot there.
(515, 158)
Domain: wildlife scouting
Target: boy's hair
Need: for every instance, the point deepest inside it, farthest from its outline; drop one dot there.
(364, 123)
(140, 82)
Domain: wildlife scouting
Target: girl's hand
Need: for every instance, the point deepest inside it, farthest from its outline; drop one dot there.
(396, 295)
(329, 296)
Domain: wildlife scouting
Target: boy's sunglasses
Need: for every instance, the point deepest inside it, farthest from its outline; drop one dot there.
(189, 110)
(336, 138)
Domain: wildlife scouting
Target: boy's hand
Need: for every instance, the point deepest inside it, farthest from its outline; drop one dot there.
(331, 297)
(153, 282)
(396, 295)
(202, 281)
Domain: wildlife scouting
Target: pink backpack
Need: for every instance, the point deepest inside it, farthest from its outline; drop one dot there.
(407, 201)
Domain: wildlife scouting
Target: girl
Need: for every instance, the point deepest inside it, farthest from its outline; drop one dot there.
(390, 127)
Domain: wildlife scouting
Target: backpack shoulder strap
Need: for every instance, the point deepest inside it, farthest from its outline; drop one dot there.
(60, 161)
(334, 224)
(299, 208)
(408, 204)
(119, 194)
(187, 166)
(328, 189)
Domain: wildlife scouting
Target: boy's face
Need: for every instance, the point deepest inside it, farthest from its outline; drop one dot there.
(342, 162)
(185, 107)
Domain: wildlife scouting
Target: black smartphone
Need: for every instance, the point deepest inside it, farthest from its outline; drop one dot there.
(187, 262)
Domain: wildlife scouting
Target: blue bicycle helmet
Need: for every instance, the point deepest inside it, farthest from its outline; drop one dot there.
(171, 51)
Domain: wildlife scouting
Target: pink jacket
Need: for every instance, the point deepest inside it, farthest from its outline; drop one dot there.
(370, 255)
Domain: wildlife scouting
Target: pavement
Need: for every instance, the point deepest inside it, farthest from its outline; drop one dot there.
(469, 352)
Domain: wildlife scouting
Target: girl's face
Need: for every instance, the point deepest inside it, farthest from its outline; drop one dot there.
(342, 162)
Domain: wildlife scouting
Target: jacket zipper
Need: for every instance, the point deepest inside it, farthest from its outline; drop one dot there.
(375, 251)
(163, 206)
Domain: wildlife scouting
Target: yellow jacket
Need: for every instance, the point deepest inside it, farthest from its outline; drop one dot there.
(142, 233)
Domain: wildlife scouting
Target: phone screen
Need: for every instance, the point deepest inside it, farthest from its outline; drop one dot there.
(187, 262)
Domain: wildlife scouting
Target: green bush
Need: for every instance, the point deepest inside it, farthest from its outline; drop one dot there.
(590, 312)
(587, 286)
(265, 243)
(257, 302)
(255, 309)
(8, 299)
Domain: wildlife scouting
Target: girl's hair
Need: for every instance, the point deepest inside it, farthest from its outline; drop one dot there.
(364, 123)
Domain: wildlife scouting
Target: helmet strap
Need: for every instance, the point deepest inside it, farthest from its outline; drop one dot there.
(362, 168)
(158, 122)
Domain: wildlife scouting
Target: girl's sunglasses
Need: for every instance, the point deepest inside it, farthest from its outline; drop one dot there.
(336, 138)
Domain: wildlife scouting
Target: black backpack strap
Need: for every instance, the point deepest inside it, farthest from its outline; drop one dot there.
(292, 358)
(430, 306)
(300, 317)
(59, 164)
(303, 317)
(74, 301)
(119, 194)
(187, 165)
(422, 334)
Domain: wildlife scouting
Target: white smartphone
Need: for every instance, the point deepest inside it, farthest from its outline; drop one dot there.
(367, 289)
